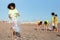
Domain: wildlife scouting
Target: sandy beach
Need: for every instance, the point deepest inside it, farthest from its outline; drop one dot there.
(28, 32)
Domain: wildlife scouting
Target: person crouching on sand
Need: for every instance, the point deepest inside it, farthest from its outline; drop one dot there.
(46, 24)
(38, 25)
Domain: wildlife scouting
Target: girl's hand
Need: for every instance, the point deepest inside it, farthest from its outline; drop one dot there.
(17, 14)
(10, 17)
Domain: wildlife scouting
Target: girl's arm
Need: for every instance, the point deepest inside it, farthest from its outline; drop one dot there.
(17, 14)
(10, 16)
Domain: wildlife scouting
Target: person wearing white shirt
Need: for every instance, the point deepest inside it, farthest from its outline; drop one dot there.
(13, 16)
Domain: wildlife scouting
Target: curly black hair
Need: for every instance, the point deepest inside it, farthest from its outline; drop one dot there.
(45, 22)
(40, 23)
(56, 15)
(11, 4)
(52, 13)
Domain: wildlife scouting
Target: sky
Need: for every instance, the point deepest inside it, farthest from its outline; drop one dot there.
(31, 10)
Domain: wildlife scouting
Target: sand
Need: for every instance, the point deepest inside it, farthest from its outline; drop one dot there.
(28, 32)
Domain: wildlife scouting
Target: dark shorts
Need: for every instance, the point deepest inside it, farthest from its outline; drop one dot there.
(17, 34)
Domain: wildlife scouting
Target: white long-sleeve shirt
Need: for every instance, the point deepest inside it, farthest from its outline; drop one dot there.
(13, 13)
